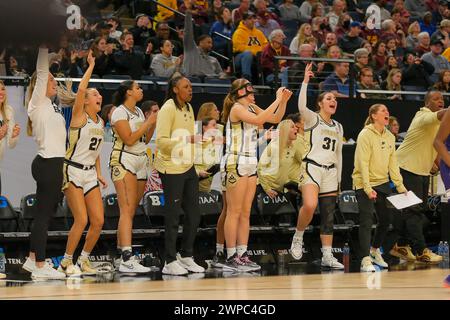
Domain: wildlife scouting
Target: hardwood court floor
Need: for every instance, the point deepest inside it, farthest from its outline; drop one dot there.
(419, 284)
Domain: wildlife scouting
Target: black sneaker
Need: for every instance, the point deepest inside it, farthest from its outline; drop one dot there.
(218, 260)
(234, 263)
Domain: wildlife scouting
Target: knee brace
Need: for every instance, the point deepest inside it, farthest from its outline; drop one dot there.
(327, 206)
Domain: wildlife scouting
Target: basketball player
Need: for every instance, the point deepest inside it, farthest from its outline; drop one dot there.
(375, 165)
(128, 163)
(242, 118)
(82, 174)
(442, 146)
(321, 171)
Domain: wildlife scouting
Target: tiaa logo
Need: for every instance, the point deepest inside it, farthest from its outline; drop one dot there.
(277, 200)
(208, 199)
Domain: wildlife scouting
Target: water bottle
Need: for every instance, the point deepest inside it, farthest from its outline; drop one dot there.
(2, 261)
(446, 252)
(441, 248)
(346, 257)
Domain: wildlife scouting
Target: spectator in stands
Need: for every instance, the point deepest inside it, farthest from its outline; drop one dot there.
(14, 69)
(196, 58)
(103, 54)
(106, 113)
(443, 84)
(247, 43)
(366, 45)
(296, 71)
(317, 10)
(166, 15)
(277, 159)
(424, 43)
(115, 31)
(427, 25)
(443, 32)
(275, 47)
(335, 13)
(399, 5)
(9, 129)
(306, 9)
(343, 25)
(266, 24)
(379, 56)
(289, 11)
(361, 60)
(163, 33)
(351, 40)
(317, 31)
(390, 63)
(338, 82)
(417, 8)
(442, 12)
(199, 13)
(215, 11)
(261, 7)
(131, 60)
(178, 176)
(324, 69)
(415, 167)
(393, 83)
(303, 32)
(128, 164)
(225, 27)
(416, 72)
(366, 82)
(238, 13)
(164, 64)
(397, 18)
(394, 128)
(412, 40)
(142, 30)
(330, 40)
(393, 50)
(375, 166)
(47, 167)
(435, 59)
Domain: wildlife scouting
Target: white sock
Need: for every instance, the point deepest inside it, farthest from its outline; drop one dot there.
(84, 254)
(326, 251)
(241, 250)
(219, 247)
(299, 234)
(231, 252)
(126, 249)
(68, 256)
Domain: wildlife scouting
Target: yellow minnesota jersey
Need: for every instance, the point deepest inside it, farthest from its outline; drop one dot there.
(85, 143)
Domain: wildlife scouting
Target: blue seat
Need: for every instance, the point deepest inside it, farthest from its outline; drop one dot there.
(162, 85)
(114, 86)
(223, 88)
(8, 216)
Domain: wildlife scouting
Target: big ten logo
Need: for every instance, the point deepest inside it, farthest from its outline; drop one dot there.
(276, 200)
(373, 15)
(374, 281)
(206, 199)
(157, 199)
(73, 22)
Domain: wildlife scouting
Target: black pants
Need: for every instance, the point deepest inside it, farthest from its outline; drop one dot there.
(48, 174)
(409, 225)
(367, 208)
(180, 195)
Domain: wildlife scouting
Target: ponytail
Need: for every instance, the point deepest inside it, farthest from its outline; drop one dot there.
(231, 98)
(120, 95)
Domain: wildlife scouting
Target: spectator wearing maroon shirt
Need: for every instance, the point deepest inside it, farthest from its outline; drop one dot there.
(275, 47)
(199, 14)
(238, 13)
(424, 43)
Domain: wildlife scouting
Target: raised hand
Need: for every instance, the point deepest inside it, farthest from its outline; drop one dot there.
(16, 131)
(90, 58)
(308, 73)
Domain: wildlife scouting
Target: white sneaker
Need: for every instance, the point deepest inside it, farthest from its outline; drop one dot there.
(366, 265)
(297, 248)
(174, 268)
(189, 264)
(47, 272)
(375, 256)
(329, 261)
(70, 269)
(29, 265)
(133, 266)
